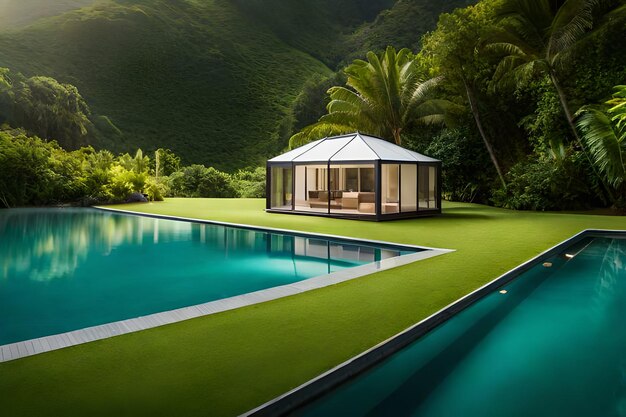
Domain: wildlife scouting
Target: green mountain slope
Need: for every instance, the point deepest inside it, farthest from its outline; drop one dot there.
(18, 13)
(318, 27)
(211, 79)
(199, 77)
(401, 26)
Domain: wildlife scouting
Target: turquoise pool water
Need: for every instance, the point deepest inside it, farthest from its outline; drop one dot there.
(66, 269)
(553, 345)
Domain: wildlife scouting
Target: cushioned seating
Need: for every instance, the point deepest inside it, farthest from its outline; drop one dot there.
(367, 202)
(321, 200)
(350, 200)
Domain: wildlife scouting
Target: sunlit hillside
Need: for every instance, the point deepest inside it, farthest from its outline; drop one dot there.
(18, 13)
(213, 80)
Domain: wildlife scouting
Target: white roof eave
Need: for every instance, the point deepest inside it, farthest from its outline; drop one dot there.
(350, 148)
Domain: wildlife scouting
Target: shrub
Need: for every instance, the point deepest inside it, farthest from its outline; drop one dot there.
(216, 184)
(26, 176)
(250, 183)
(156, 188)
(467, 172)
(200, 181)
(97, 175)
(547, 184)
(121, 184)
(164, 163)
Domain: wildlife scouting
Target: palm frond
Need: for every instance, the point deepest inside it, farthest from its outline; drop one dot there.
(617, 111)
(506, 49)
(380, 97)
(434, 109)
(526, 20)
(317, 131)
(424, 91)
(603, 144)
(572, 21)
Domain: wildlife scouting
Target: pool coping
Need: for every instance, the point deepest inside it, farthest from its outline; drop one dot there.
(24, 348)
(325, 382)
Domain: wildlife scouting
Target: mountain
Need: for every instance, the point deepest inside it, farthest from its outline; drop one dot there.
(213, 80)
(317, 27)
(195, 76)
(18, 13)
(402, 26)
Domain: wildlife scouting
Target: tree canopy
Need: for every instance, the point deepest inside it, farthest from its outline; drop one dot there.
(383, 95)
(45, 107)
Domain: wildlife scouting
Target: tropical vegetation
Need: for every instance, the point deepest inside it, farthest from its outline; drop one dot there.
(383, 96)
(225, 85)
(519, 68)
(604, 133)
(502, 91)
(215, 81)
(36, 172)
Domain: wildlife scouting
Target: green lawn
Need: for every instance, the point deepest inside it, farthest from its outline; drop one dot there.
(224, 364)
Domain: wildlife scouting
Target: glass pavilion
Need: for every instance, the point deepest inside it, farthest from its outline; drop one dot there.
(354, 176)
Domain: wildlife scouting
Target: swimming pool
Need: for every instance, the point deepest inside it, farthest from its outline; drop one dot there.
(550, 342)
(68, 269)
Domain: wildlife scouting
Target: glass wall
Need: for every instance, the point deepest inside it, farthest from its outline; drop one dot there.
(352, 189)
(344, 189)
(337, 188)
(352, 179)
(408, 183)
(282, 188)
(300, 186)
(367, 179)
(314, 188)
(390, 192)
(427, 191)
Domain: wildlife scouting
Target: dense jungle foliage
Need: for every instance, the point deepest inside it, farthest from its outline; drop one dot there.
(36, 172)
(520, 99)
(508, 94)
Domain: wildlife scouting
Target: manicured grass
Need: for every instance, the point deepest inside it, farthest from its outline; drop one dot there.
(227, 363)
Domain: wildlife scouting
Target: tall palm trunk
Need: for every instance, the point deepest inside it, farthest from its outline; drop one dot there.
(568, 114)
(471, 97)
(570, 121)
(396, 136)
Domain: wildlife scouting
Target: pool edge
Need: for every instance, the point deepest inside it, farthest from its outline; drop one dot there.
(271, 229)
(30, 347)
(319, 385)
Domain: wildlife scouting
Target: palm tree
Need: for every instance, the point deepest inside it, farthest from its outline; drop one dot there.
(383, 96)
(539, 37)
(604, 133)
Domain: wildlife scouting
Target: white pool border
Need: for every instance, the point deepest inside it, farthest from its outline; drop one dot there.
(31, 347)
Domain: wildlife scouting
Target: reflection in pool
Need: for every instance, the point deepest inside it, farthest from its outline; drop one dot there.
(66, 269)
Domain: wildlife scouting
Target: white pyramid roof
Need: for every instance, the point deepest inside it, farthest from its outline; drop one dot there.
(350, 148)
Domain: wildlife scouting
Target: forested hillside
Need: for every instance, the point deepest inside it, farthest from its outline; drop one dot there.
(18, 13)
(401, 26)
(522, 100)
(197, 77)
(214, 80)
